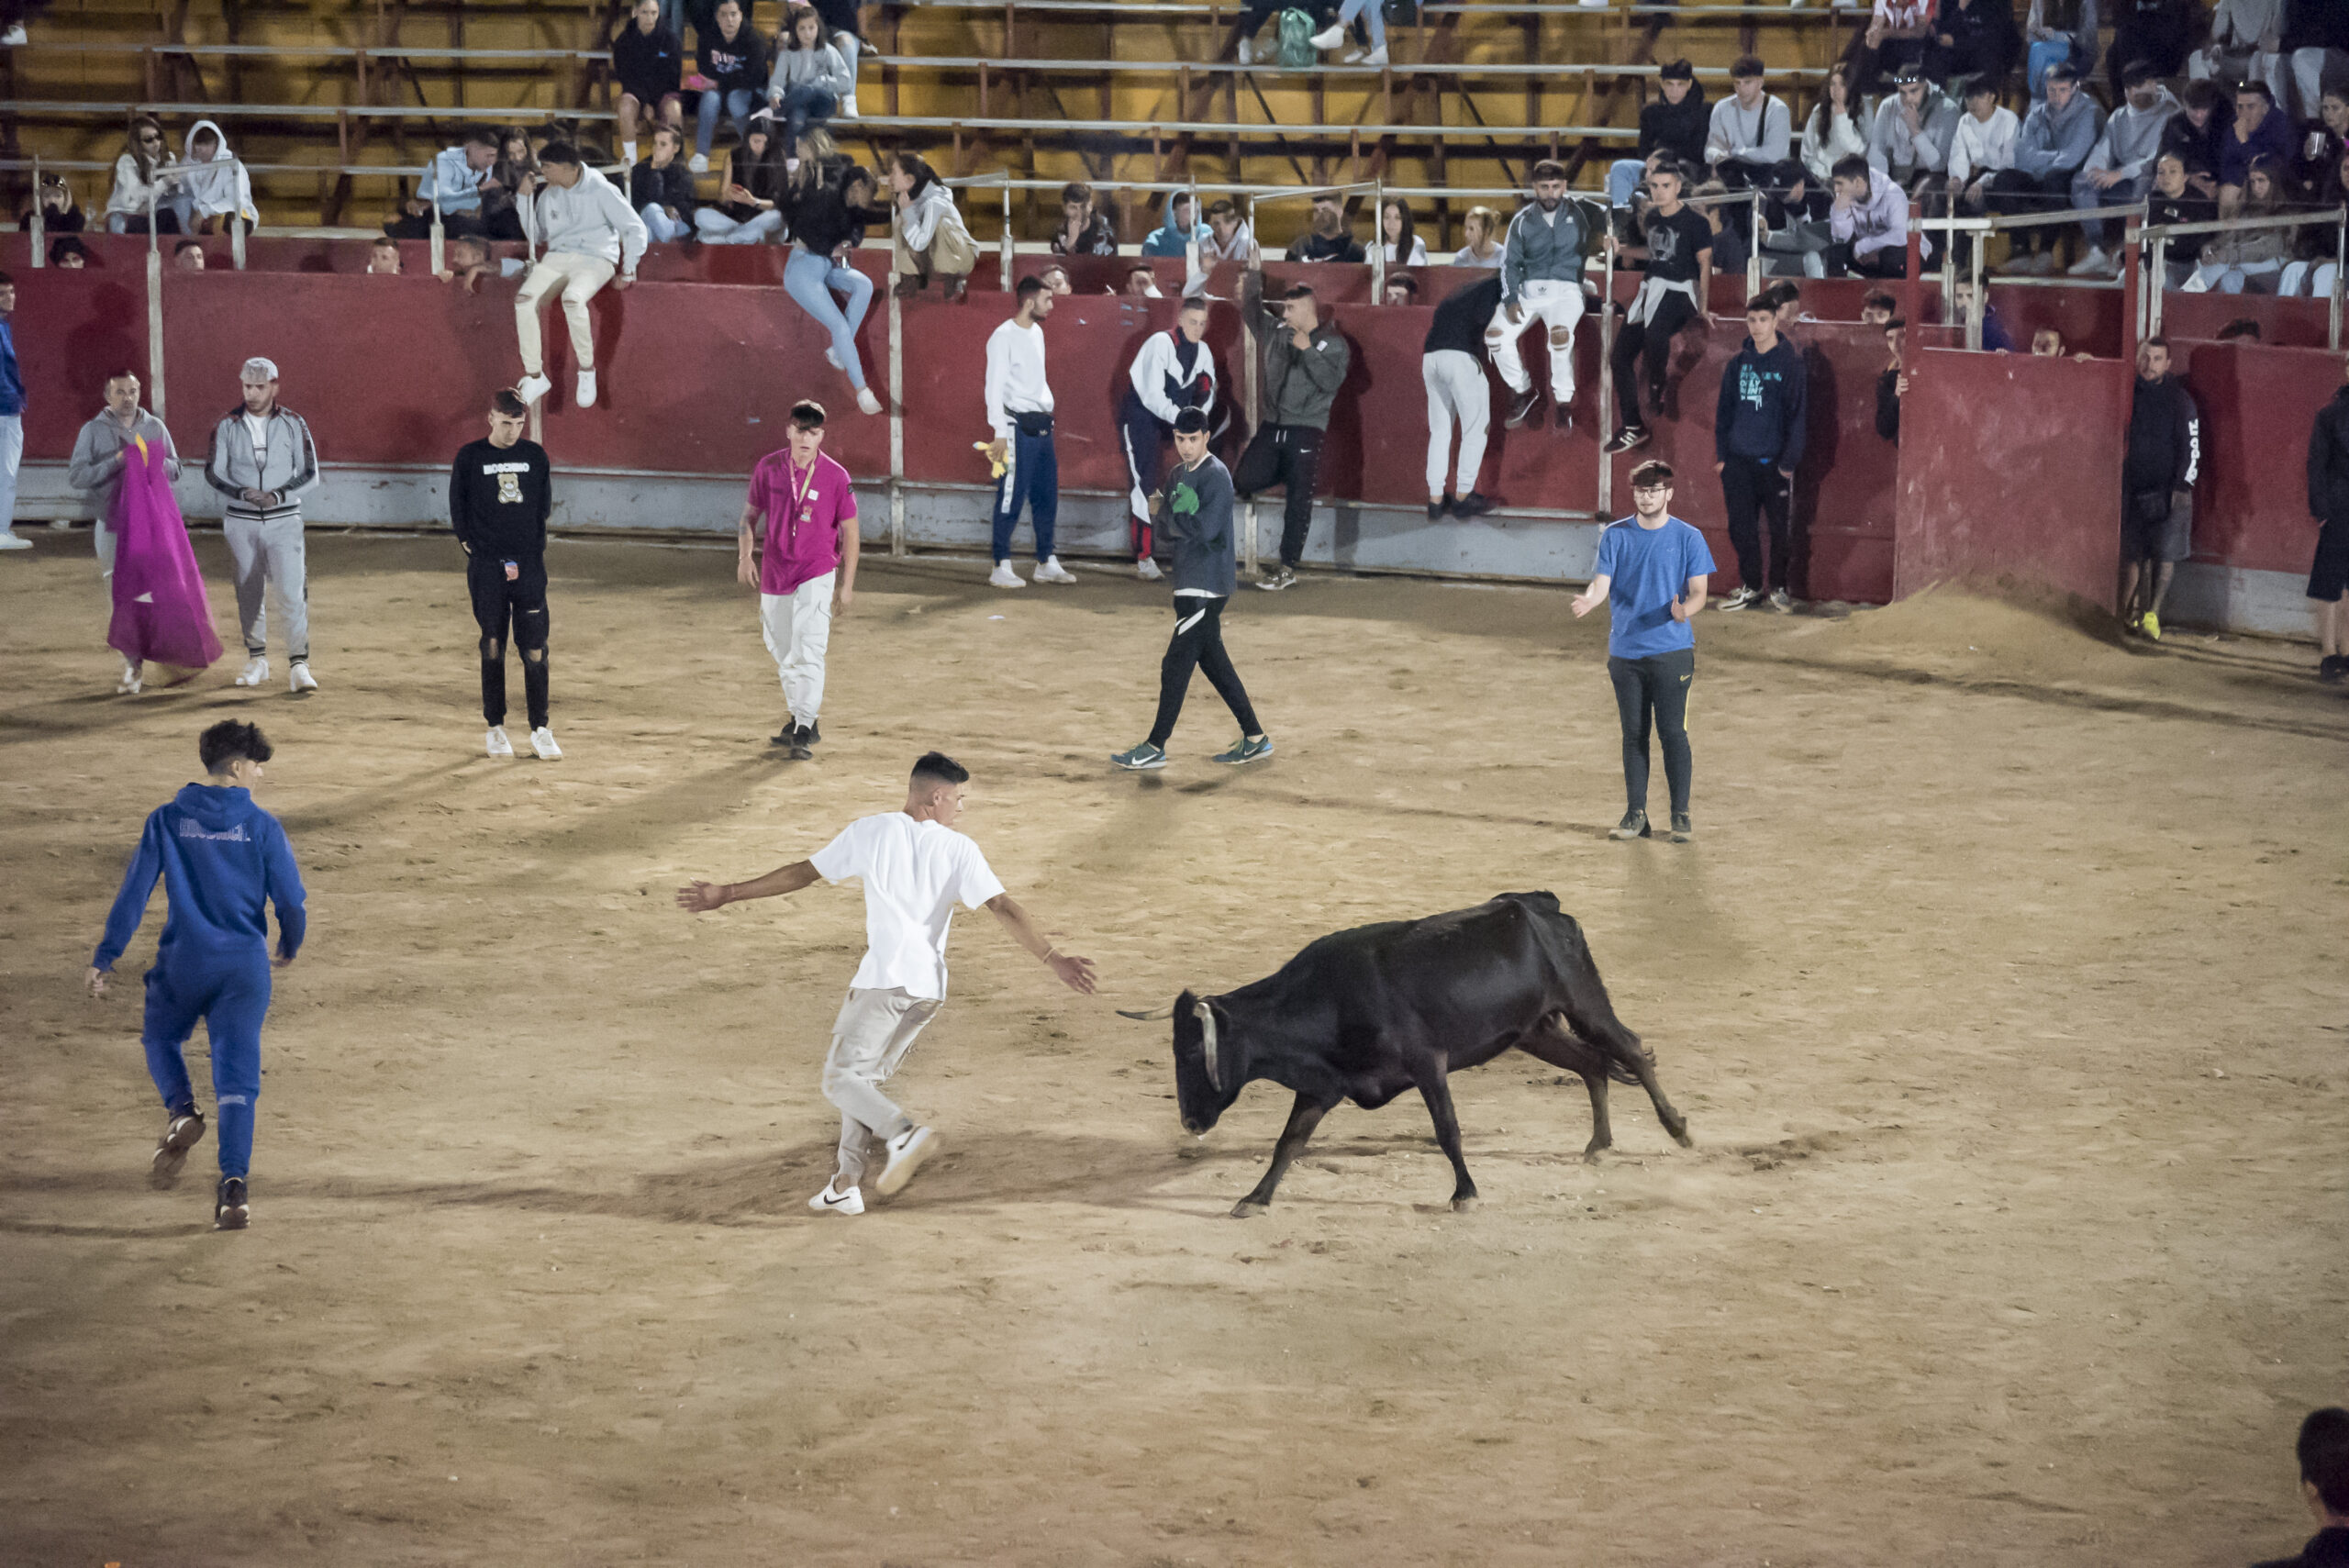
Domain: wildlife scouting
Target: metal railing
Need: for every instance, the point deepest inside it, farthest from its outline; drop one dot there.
(2158, 236)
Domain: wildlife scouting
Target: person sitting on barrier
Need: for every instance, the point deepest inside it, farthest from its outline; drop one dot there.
(592, 236)
(648, 62)
(1452, 364)
(733, 58)
(2121, 170)
(1891, 383)
(1330, 239)
(811, 78)
(1082, 231)
(1480, 229)
(1996, 339)
(2259, 130)
(2328, 477)
(1399, 236)
(2246, 40)
(145, 174)
(1974, 38)
(751, 211)
(2323, 142)
(1676, 257)
(1305, 364)
(930, 235)
(1870, 223)
(1914, 133)
(384, 257)
(2162, 456)
(68, 251)
(1759, 429)
(1228, 237)
(661, 189)
(1876, 308)
(1179, 232)
(2057, 136)
(2248, 259)
(1672, 124)
(1541, 277)
(1142, 283)
(2193, 134)
(1982, 146)
(826, 213)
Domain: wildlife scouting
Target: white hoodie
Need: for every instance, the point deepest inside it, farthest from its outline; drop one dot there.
(220, 188)
(590, 219)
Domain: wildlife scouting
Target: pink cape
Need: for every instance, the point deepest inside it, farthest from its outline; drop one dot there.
(161, 612)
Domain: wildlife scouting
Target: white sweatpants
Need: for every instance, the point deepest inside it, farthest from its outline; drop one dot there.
(1457, 392)
(1552, 303)
(799, 629)
(870, 1039)
(579, 277)
(12, 456)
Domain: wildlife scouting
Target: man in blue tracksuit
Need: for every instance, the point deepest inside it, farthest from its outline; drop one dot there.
(222, 858)
(1173, 371)
(1757, 444)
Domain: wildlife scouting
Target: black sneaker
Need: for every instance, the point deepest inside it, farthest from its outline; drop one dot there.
(1634, 826)
(1627, 438)
(229, 1210)
(810, 733)
(181, 1134)
(1476, 504)
(1526, 410)
(1437, 508)
(2333, 668)
(1563, 419)
(787, 735)
(1682, 829)
(1283, 577)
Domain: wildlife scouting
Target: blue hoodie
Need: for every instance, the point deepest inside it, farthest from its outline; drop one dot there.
(1762, 415)
(1168, 240)
(221, 856)
(12, 381)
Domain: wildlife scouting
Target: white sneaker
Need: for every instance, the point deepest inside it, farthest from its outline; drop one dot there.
(1247, 52)
(542, 742)
(13, 37)
(1740, 598)
(698, 163)
(129, 684)
(8, 540)
(1147, 569)
(532, 387)
(1003, 576)
(1049, 569)
(2095, 262)
(586, 392)
(865, 402)
(1375, 57)
(831, 1200)
(255, 672)
(1329, 39)
(1352, 56)
(908, 1152)
(848, 107)
(299, 680)
(498, 745)
(833, 358)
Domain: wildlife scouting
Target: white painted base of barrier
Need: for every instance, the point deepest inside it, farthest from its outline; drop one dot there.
(2232, 598)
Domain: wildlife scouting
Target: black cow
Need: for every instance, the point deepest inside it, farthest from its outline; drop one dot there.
(1365, 1014)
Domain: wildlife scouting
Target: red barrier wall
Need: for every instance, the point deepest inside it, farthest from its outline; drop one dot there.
(72, 330)
(2257, 407)
(2010, 468)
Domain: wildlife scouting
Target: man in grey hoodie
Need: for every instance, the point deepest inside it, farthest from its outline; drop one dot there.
(96, 464)
(2057, 136)
(263, 461)
(589, 230)
(2121, 170)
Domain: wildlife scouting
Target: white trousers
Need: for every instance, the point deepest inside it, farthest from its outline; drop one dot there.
(12, 455)
(870, 1039)
(799, 629)
(1457, 393)
(2202, 66)
(578, 277)
(2309, 68)
(1552, 303)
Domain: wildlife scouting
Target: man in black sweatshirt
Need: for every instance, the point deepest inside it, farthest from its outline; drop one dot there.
(2329, 503)
(1758, 430)
(1452, 362)
(500, 491)
(2157, 472)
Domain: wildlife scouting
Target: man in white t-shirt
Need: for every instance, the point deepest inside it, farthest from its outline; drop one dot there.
(916, 870)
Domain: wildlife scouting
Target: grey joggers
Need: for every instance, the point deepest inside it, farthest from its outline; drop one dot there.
(270, 553)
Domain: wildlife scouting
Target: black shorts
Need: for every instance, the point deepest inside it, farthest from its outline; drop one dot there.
(2329, 575)
(2156, 526)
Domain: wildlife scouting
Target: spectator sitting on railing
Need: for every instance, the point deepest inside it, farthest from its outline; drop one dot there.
(454, 182)
(1675, 253)
(811, 78)
(188, 256)
(1142, 283)
(2174, 199)
(1982, 146)
(2121, 170)
(826, 213)
(1870, 223)
(1176, 235)
(2249, 259)
(733, 59)
(2315, 272)
(2246, 40)
(1837, 126)
(1228, 237)
(1479, 229)
(2324, 141)
(1402, 288)
(2193, 134)
(2258, 130)
(145, 177)
(1971, 37)
(2057, 136)
(1549, 243)
(930, 235)
(1996, 339)
(68, 251)
(751, 210)
(661, 189)
(59, 214)
(648, 62)
(593, 237)
(1897, 35)
(1751, 134)
(1083, 231)
(1914, 132)
(384, 257)
(1673, 124)
(1330, 239)
(1399, 235)
(214, 184)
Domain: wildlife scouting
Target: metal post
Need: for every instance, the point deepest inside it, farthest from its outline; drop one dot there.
(1973, 321)
(237, 240)
(2157, 286)
(1378, 249)
(154, 320)
(897, 421)
(1753, 243)
(1255, 262)
(435, 256)
(2340, 268)
(1007, 264)
(39, 225)
(1606, 382)
(2132, 298)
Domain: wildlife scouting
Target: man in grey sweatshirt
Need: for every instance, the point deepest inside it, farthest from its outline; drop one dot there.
(264, 462)
(589, 231)
(2057, 136)
(1305, 363)
(2121, 170)
(96, 464)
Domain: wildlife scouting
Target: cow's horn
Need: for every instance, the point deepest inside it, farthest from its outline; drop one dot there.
(1167, 1012)
(1206, 1015)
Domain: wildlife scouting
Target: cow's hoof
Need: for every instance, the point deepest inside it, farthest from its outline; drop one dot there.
(1682, 1139)
(1248, 1209)
(1463, 1205)
(1590, 1155)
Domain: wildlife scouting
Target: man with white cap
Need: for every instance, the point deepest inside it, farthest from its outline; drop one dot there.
(263, 461)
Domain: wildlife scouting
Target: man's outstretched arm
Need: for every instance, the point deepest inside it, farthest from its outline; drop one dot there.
(701, 898)
(1076, 974)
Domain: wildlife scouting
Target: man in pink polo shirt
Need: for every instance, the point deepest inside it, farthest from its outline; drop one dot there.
(809, 574)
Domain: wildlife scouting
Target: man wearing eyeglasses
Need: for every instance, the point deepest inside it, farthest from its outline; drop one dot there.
(1652, 574)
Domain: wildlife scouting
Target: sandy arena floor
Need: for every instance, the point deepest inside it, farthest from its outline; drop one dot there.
(2003, 990)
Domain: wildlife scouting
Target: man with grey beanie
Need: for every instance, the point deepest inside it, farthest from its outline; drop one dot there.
(264, 462)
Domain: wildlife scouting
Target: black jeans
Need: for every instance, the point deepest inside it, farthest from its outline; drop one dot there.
(1289, 456)
(1197, 643)
(522, 604)
(2011, 192)
(1891, 261)
(1650, 341)
(1750, 489)
(1653, 692)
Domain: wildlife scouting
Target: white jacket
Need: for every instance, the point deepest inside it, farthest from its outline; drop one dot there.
(1156, 366)
(1844, 140)
(1983, 147)
(591, 218)
(220, 188)
(130, 191)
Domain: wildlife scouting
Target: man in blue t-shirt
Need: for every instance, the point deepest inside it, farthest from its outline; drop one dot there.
(1653, 569)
